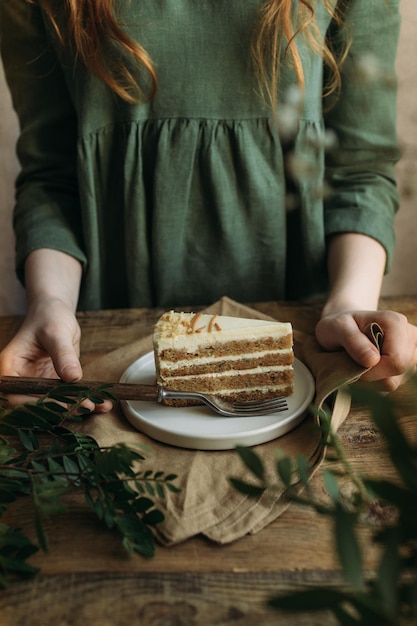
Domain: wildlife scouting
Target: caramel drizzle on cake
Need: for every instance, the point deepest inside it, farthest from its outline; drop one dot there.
(212, 325)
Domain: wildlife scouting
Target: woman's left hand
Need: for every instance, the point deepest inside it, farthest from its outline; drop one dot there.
(398, 357)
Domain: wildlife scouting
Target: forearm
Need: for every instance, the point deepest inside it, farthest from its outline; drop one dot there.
(51, 274)
(356, 265)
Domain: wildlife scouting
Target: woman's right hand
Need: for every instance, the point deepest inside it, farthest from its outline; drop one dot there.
(46, 346)
(48, 343)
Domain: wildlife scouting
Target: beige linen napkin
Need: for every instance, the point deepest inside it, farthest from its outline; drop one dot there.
(207, 503)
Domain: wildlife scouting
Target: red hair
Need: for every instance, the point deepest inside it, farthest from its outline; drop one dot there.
(278, 31)
(92, 26)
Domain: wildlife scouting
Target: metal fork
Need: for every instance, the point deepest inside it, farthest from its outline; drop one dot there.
(226, 408)
(136, 391)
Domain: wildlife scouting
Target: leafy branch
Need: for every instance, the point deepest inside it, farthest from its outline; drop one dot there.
(42, 457)
(387, 597)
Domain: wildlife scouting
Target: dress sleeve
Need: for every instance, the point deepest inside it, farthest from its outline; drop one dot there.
(360, 170)
(47, 210)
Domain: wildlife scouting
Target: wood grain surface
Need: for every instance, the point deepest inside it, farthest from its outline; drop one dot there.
(87, 579)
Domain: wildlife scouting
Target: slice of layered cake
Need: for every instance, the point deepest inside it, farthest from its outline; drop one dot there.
(234, 358)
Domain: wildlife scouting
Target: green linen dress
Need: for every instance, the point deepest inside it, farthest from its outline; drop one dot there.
(183, 199)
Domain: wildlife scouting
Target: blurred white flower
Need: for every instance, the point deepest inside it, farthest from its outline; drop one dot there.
(301, 166)
(293, 96)
(287, 121)
(370, 70)
(330, 140)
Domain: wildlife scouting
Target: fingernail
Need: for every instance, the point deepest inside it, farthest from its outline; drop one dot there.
(71, 372)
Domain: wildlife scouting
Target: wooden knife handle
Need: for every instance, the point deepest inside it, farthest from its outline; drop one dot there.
(39, 386)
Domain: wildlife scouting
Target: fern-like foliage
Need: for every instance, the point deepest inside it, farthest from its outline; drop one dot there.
(388, 596)
(43, 458)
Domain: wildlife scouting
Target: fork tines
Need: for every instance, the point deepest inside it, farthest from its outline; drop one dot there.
(269, 406)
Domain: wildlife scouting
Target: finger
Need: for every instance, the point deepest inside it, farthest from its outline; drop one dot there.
(385, 384)
(13, 399)
(104, 407)
(65, 359)
(389, 375)
(398, 352)
(349, 335)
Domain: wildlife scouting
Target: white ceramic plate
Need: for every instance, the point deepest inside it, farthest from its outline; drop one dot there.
(199, 428)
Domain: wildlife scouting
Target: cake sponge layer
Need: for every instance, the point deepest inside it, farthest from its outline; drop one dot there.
(230, 357)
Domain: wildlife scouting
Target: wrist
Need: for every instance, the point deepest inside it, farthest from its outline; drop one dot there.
(356, 267)
(47, 303)
(52, 277)
(343, 303)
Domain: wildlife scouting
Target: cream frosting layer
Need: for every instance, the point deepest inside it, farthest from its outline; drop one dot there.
(231, 373)
(189, 331)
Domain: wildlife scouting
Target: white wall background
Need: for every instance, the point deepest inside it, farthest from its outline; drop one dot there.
(11, 293)
(402, 279)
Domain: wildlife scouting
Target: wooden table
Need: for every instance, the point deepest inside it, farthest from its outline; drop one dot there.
(197, 582)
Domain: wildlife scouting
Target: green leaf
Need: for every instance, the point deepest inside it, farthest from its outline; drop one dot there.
(40, 531)
(140, 538)
(83, 410)
(388, 573)
(117, 459)
(247, 489)
(28, 439)
(384, 416)
(45, 411)
(108, 518)
(58, 408)
(389, 492)
(84, 443)
(70, 466)
(331, 484)
(48, 496)
(41, 469)
(8, 430)
(347, 547)
(107, 395)
(89, 499)
(160, 491)
(310, 600)
(57, 470)
(252, 461)
(371, 610)
(303, 469)
(153, 518)
(141, 505)
(6, 497)
(345, 618)
(17, 566)
(25, 419)
(96, 399)
(98, 508)
(284, 470)
(172, 488)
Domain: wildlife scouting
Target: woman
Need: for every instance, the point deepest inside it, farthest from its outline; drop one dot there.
(156, 156)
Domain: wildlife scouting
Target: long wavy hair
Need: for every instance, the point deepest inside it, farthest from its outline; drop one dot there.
(92, 25)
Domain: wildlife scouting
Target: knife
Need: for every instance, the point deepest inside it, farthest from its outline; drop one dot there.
(39, 386)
